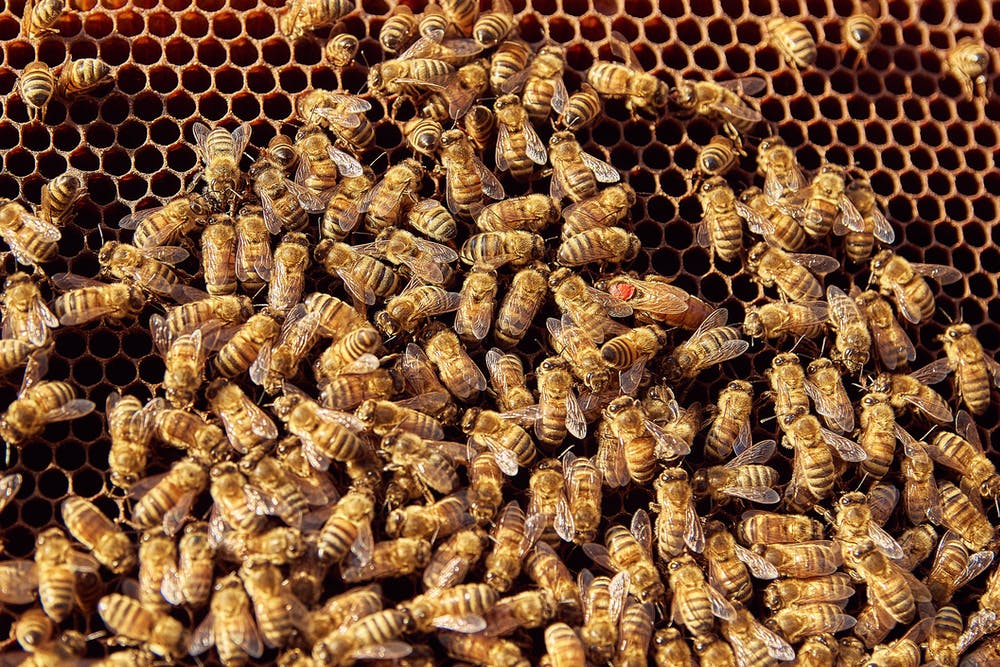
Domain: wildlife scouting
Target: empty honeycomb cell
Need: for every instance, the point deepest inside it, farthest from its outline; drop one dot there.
(100, 135)
(562, 30)
(939, 183)
(260, 80)
(70, 456)
(148, 160)
(707, 58)
(53, 484)
(947, 235)
(87, 482)
(50, 165)
(903, 134)
(292, 80)
(246, 107)
(226, 26)
(803, 109)
(98, 26)
(146, 51)
(9, 188)
(34, 455)
(194, 24)
(626, 27)
(165, 185)
(213, 106)
(875, 134)
(228, 80)
(624, 158)
(809, 158)
(129, 23)
(958, 135)
(36, 138)
(666, 261)
(19, 162)
(211, 53)
(179, 52)
(689, 31)
(196, 79)
(116, 162)
(278, 107)
(655, 29)
(948, 158)
(100, 189)
(52, 52)
(120, 371)
(276, 52)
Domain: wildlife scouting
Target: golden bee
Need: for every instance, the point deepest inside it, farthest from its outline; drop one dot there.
(423, 135)
(695, 603)
(559, 411)
(348, 528)
(37, 86)
(711, 343)
(859, 243)
(389, 559)
(221, 152)
(59, 197)
(774, 221)
(943, 637)
(548, 500)
(493, 26)
(826, 204)
(495, 249)
(321, 162)
(169, 224)
(99, 534)
(793, 41)
(432, 219)
(814, 470)
(262, 581)
(483, 650)
(430, 466)
(235, 501)
(239, 352)
(759, 527)
(790, 272)
(576, 173)
(603, 603)
(721, 228)
(190, 580)
(486, 480)
(893, 345)
(861, 29)
(283, 204)
(51, 578)
(39, 403)
(426, 260)
(730, 565)
(528, 609)
(253, 247)
(475, 312)
(341, 49)
(742, 477)
(229, 625)
(364, 277)
(607, 208)
(782, 173)
(457, 370)
(510, 57)
(467, 180)
(541, 83)
(166, 500)
(807, 620)
(354, 353)
(825, 386)
(962, 451)
(677, 523)
(969, 62)
(304, 16)
(157, 554)
(406, 75)
(40, 17)
(155, 631)
(780, 319)
(563, 645)
(920, 492)
(912, 391)
(522, 302)
(287, 282)
(975, 372)
(961, 515)
(721, 101)
(790, 592)
(398, 29)
(147, 268)
(246, 424)
(31, 240)
(887, 586)
(630, 351)
(510, 444)
(518, 147)
(218, 252)
(455, 557)
(202, 440)
(630, 550)
(853, 340)
(363, 636)
(578, 348)
(788, 387)
(383, 417)
(752, 643)
(730, 427)
(589, 308)
(26, 317)
(507, 379)
(854, 522)
(640, 90)
(82, 76)
(904, 281)
(345, 199)
(383, 204)
(512, 537)
(14, 354)
(458, 608)
(583, 490)
(582, 108)
(607, 244)
(718, 156)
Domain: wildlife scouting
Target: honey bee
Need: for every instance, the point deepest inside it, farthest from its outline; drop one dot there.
(859, 243)
(218, 252)
(34, 632)
(425, 259)
(541, 83)
(892, 343)
(240, 351)
(236, 501)
(190, 581)
(730, 565)
(384, 203)
(793, 42)
(549, 501)
(730, 429)
(711, 343)
(205, 315)
(281, 545)
(432, 219)
(383, 417)
(520, 305)
(229, 625)
(788, 387)
(467, 179)
(105, 540)
(39, 403)
(271, 600)
(81, 76)
(14, 354)
(905, 282)
(583, 489)
(911, 391)
(920, 492)
(184, 358)
(40, 17)
(31, 240)
(962, 451)
(852, 342)
(559, 411)
(721, 228)
(825, 202)
(345, 200)
(605, 209)
(423, 135)
(398, 29)
(287, 282)
(389, 559)
(815, 558)
(326, 434)
(808, 620)
(774, 221)
(578, 349)
(166, 500)
(718, 156)
(154, 631)
(825, 387)
(721, 101)
(320, 161)
(583, 107)
(511, 56)
(283, 204)
(167, 225)
(627, 443)
(630, 550)
(943, 637)
(655, 299)
(493, 26)
(247, 425)
(458, 371)
(221, 152)
(363, 276)
(975, 372)
(854, 523)
(525, 610)
(759, 527)
(25, 315)
(629, 353)
(670, 648)
(494, 249)
(512, 537)
(253, 247)
(485, 487)
(459, 608)
(695, 604)
(203, 441)
(482, 650)
(304, 16)
(969, 61)
(348, 528)
(789, 593)
(454, 558)
(402, 76)
(959, 514)
(588, 307)
(813, 468)
(59, 196)
(511, 445)
(576, 173)
(607, 244)
(604, 601)
(507, 378)
(564, 646)
(368, 636)
(790, 272)
(782, 174)
(51, 578)
(157, 553)
(518, 146)
(954, 566)
(37, 85)
(752, 643)
(341, 49)
(779, 319)
(147, 268)
(742, 477)
(475, 312)
(895, 595)
(641, 91)
(431, 467)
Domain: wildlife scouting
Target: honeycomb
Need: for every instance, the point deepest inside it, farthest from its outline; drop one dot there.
(930, 153)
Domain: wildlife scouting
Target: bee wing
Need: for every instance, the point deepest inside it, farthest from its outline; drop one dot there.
(850, 217)
(894, 341)
(741, 111)
(534, 146)
(78, 407)
(604, 172)
(777, 647)
(18, 582)
(391, 651)
(882, 229)
(818, 264)
(630, 378)
(559, 95)
(760, 452)
(505, 458)
(668, 446)
(610, 460)
(440, 253)
(933, 372)
(502, 147)
(884, 541)
(347, 164)
(339, 117)
(835, 406)
(470, 623)
(576, 422)
(200, 132)
(173, 519)
(563, 522)
(167, 254)
(516, 81)
(309, 200)
(241, 137)
(358, 289)
(612, 304)
(759, 566)
(775, 185)
(492, 187)
(642, 530)
(132, 220)
(599, 554)
(757, 223)
(750, 85)
(847, 449)
(721, 607)
(694, 535)
(978, 563)
(203, 637)
(943, 274)
(9, 486)
(703, 232)
(906, 308)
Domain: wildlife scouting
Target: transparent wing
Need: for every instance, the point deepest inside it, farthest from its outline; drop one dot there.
(534, 146)
(759, 566)
(604, 172)
(760, 452)
(943, 274)
(845, 448)
(816, 263)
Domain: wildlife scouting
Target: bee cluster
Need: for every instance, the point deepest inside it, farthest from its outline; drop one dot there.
(444, 406)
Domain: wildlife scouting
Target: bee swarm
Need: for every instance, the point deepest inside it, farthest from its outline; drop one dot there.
(433, 353)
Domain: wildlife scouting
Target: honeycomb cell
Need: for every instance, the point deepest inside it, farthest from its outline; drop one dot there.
(226, 26)
(87, 482)
(228, 80)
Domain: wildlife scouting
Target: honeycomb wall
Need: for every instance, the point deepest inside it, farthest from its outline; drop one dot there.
(931, 153)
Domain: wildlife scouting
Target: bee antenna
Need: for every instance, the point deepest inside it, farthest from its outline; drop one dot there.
(799, 340)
